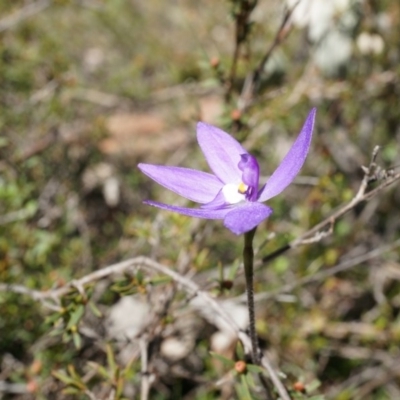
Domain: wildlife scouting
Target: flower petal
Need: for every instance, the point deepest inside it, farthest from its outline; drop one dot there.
(218, 202)
(292, 163)
(245, 217)
(197, 186)
(221, 151)
(191, 212)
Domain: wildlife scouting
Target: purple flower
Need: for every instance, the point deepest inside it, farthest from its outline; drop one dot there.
(232, 193)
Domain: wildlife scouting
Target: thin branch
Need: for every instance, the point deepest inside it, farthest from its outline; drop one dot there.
(319, 276)
(14, 388)
(253, 79)
(284, 395)
(111, 395)
(318, 231)
(243, 337)
(55, 294)
(189, 286)
(145, 381)
(90, 394)
(242, 28)
(33, 294)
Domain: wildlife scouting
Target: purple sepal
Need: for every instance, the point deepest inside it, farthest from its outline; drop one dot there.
(194, 185)
(246, 216)
(218, 202)
(221, 151)
(191, 212)
(292, 162)
(231, 165)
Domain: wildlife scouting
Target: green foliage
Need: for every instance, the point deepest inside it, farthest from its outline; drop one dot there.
(89, 89)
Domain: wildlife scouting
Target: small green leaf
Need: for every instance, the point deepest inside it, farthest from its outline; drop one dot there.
(314, 385)
(246, 395)
(77, 340)
(63, 377)
(66, 336)
(53, 318)
(225, 361)
(72, 390)
(72, 372)
(76, 315)
(140, 277)
(111, 359)
(99, 369)
(233, 270)
(95, 310)
(255, 369)
(239, 351)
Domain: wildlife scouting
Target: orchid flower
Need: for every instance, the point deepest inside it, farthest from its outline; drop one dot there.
(232, 193)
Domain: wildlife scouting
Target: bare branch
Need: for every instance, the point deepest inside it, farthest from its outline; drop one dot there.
(34, 294)
(253, 79)
(14, 388)
(318, 232)
(242, 28)
(319, 276)
(146, 378)
(189, 286)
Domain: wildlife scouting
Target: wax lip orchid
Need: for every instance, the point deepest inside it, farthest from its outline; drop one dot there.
(232, 193)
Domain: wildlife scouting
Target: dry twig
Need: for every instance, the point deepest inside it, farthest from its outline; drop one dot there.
(146, 378)
(253, 79)
(189, 286)
(317, 232)
(242, 29)
(319, 276)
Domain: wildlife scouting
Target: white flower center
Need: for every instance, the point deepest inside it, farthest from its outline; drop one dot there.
(234, 193)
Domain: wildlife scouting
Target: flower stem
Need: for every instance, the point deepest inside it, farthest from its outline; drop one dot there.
(248, 256)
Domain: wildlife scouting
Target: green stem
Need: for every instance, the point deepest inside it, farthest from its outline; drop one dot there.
(248, 257)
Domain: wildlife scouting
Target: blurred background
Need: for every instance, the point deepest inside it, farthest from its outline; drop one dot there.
(90, 88)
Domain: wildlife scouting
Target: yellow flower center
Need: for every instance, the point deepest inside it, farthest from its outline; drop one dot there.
(242, 188)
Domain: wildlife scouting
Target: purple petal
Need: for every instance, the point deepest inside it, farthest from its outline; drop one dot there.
(246, 216)
(221, 151)
(291, 164)
(192, 212)
(218, 202)
(197, 186)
